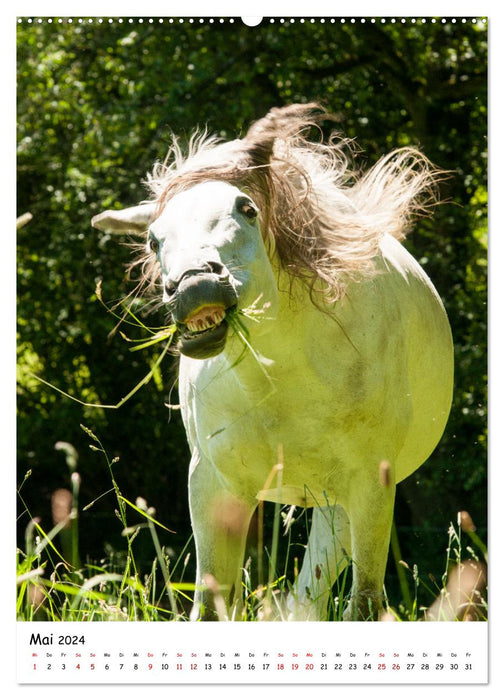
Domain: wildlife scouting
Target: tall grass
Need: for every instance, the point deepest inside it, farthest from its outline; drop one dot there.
(53, 585)
(50, 587)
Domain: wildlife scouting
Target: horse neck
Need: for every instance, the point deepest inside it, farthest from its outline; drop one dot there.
(278, 340)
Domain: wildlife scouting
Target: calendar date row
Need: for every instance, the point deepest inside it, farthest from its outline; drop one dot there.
(273, 666)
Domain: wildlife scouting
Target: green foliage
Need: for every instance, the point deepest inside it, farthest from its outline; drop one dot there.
(96, 107)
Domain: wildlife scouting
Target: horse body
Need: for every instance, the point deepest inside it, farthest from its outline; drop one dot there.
(354, 392)
(340, 394)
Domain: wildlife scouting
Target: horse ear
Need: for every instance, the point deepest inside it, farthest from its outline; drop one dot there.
(280, 123)
(259, 141)
(130, 220)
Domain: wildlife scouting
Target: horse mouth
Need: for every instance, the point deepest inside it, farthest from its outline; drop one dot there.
(203, 333)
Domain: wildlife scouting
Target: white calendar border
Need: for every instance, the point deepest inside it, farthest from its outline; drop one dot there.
(7, 513)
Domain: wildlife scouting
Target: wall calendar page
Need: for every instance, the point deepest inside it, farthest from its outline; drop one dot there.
(252, 351)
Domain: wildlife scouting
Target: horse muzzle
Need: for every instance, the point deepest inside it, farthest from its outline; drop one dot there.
(199, 301)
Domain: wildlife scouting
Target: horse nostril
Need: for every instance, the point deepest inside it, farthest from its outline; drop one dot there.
(217, 268)
(220, 270)
(170, 288)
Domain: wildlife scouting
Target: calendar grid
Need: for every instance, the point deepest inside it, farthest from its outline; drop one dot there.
(284, 653)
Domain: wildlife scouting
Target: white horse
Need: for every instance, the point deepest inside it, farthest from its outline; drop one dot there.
(349, 363)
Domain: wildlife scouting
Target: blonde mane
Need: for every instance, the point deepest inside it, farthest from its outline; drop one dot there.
(322, 218)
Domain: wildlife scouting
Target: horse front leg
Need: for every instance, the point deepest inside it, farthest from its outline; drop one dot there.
(370, 509)
(220, 523)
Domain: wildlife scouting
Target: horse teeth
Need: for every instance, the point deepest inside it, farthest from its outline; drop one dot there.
(203, 322)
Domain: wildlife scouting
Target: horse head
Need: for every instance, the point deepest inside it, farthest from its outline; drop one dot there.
(213, 260)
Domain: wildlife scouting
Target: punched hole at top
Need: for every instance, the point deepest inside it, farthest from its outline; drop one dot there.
(251, 21)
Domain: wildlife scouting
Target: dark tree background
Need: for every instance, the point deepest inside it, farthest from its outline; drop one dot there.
(97, 103)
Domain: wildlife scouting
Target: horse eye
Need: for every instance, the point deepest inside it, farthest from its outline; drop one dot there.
(153, 245)
(249, 211)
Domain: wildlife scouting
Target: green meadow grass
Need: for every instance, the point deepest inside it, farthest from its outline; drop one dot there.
(53, 585)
